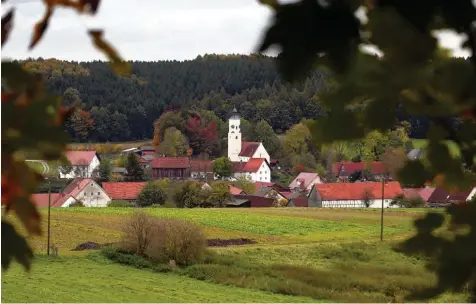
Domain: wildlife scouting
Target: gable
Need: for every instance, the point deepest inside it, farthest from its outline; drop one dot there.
(80, 158)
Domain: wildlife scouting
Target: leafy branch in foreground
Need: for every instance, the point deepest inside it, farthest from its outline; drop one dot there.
(32, 126)
(411, 75)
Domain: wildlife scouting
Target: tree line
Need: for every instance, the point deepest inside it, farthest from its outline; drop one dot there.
(115, 108)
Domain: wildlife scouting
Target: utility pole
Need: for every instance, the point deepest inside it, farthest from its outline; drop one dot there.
(381, 213)
(49, 214)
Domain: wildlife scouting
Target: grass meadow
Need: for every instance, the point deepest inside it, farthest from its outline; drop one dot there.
(301, 255)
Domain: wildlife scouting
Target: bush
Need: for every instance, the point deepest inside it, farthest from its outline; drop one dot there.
(120, 203)
(152, 193)
(138, 230)
(177, 240)
(163, 240)
(77, 203)
(403, 202)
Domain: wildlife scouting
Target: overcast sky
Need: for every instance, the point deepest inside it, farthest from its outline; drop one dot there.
(149, 30)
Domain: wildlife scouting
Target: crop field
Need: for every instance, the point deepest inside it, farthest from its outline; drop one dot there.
(300, 255)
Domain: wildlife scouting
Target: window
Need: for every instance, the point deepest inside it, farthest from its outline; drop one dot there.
(260, 172)
(91, 194)
(236, 137)
(260, 178)
(99, 193)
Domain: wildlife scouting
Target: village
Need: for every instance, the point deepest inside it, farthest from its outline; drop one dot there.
(252, 164)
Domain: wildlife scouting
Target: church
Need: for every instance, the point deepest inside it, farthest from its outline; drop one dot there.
(249, 159)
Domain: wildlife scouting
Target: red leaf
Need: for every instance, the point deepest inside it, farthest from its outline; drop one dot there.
(40, 27)
(7, 22)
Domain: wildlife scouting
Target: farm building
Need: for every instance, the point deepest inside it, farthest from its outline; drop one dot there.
(146, 160)
(343, 170)
(270, 192)
(201, 169)
(171, 167)
(83, 164)
(353, 195)
(85, 190)
(298, 199)
(235, 190)
(123, 191)
(305, 181)
(442, 197)
(247, 201)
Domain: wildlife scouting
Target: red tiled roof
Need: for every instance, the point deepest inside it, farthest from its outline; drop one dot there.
(248, 148)
(201, 165)
(171, 163)
(423, 193)
(439, 195)
(286, 193)
(253, 164)
(237, 166)
(41, 199)
(123, 190)
(259, 185)
(80, 158)
(357, 191)
(234, 190)
(350, 167)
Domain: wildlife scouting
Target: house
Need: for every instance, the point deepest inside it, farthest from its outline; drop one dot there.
(423, 193)
(305, 181)
(132, 150)
(247, 201)
(255, 169)
(343, 170)
(119, 171)
(83, 164)
(171, 167)
(124, 191)
(201, 169)
(85, 190)
(270, 192)
(441, 197)
(353, 195)
(147, 150)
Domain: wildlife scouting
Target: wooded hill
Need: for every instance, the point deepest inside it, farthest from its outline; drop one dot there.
(116, 108)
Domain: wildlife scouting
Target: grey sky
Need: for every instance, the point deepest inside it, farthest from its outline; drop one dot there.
(148, 29)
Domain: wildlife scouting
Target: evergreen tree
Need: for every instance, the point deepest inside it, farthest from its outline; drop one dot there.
(135, 172)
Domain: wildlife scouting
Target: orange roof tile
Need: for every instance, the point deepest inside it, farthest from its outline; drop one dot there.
(123, 190)
(357, 191)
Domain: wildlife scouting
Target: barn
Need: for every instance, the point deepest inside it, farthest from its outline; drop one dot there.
(171, 167)
(353, 195)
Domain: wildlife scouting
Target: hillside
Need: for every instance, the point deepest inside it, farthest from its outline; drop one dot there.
(124, 108)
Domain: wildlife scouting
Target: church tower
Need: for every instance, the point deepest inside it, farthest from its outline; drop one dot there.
(234, 136)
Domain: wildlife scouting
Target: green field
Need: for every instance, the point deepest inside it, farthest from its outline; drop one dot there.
(301, 255)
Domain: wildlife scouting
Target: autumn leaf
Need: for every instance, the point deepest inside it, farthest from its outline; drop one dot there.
(118, 64)
(91, 5)
(7, 22)
(40, 27)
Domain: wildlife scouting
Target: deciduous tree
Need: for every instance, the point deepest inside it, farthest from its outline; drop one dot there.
(222, 167)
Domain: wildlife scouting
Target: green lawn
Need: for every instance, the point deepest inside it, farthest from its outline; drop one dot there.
(82, 279)
(301, 255)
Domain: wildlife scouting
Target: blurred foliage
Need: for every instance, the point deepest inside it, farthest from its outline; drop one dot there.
(368, 90)
(32, 125)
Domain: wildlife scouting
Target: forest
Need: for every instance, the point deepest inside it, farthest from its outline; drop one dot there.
(114, 108)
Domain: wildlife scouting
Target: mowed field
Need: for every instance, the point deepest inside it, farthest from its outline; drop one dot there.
(301, 255)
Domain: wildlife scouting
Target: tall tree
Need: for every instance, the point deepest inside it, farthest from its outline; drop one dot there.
(222, 167)
(174, 143)
(265, 134)
(135, 172)
(201, 136)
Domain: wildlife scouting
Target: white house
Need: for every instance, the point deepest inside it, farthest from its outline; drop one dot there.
(83, 164)
(255, 169)
(85, 190)
(242, 150)
(353, 195)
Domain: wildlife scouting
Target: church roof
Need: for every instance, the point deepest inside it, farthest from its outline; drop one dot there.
(248, 148)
